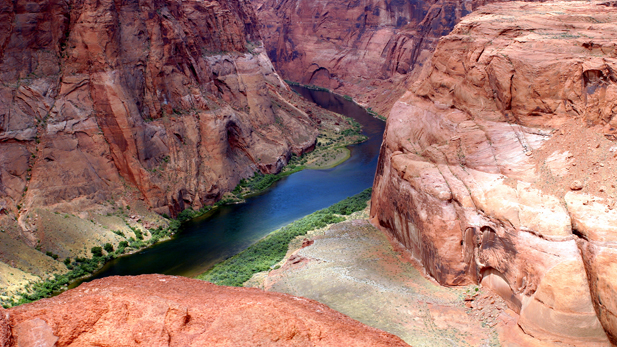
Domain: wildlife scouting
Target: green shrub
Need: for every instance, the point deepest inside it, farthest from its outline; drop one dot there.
(271, 249)
(138, 234)
(44, 289)
(96, 251)
(108, 247)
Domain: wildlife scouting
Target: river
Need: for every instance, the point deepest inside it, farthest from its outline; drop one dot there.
(230, 229)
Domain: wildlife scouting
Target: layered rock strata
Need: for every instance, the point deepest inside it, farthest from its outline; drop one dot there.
(156, 310)
(156, 105)
(498, 165)
(363, 49)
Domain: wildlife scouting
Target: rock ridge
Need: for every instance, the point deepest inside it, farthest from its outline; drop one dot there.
(477, 170)
(157, 310)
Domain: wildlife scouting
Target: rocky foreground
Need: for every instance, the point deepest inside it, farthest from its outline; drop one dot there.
(498, 165)
(156, 310)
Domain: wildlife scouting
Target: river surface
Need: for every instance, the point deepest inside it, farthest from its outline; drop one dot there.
(230, 229)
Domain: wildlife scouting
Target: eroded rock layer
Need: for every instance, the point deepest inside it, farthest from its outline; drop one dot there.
(364, 49)
(156, 310)
(97, 95)
(157, 105)
(498, 165)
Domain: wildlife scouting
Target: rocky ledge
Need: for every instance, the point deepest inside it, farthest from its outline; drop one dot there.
(498, 165)
(157, 310)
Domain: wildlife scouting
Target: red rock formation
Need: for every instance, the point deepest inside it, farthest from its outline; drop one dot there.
(364, 49)
(480, 156)
(156, 310)
(164, 103)
(96, 95)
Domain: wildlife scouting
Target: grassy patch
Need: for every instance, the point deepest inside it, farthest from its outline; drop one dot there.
(375, 114)
(82, 267)
(264, 254)
(307, 86)
(260, 182)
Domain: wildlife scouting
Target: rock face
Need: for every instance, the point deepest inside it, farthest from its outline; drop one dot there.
(98, 95)
(478, 169)
(161, 104)
(364, 49)
(156, 310)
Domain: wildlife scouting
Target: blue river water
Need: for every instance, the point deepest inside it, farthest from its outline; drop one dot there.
(230, 229)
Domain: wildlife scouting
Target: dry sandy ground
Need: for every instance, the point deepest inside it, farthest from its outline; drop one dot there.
(353, 268)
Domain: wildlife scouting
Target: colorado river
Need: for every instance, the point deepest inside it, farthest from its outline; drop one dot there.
(230, 229)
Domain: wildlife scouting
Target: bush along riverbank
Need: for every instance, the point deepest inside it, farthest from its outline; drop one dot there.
(330, 150)
(270, 250)
(81, 267)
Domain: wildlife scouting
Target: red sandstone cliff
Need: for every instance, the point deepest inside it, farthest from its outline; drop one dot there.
(156, 104)
(364, 49)
(498, 165)
(98, 95)
(156, 310)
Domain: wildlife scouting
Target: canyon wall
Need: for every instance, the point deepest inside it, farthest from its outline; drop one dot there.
(156, 310)
(498, 165)
(367, 50)
(154, 105)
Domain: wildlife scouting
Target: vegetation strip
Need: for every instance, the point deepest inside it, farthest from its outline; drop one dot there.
(82, 267)
(270, 250)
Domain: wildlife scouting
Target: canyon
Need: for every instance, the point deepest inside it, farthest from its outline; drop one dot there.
(115, 114)
(498, 165)
(369, 50)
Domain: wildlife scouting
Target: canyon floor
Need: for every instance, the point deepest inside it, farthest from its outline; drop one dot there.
(353, 268)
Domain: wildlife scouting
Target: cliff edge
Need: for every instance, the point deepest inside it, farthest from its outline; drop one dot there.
(157, 310)
(498, 165)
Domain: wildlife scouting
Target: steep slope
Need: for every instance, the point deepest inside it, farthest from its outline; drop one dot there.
(152, 105)
(364, 49)
(155, 310)
(498, 165)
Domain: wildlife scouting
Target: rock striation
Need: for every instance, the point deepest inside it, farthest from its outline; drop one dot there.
(155, 104)
(364, 49)
(498, 165)
(157, 310)
(173, 98)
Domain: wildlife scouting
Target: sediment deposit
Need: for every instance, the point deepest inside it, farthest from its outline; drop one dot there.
(498, 165)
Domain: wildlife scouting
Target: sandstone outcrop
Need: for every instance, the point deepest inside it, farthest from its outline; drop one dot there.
(480, 154)
(364, 49)
(154, 105)
(156, 310)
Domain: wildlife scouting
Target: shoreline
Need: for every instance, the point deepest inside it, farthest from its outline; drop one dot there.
(328, 142)
(264, 254)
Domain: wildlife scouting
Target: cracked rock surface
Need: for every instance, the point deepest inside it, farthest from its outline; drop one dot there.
(476, 169)
(157, 310)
